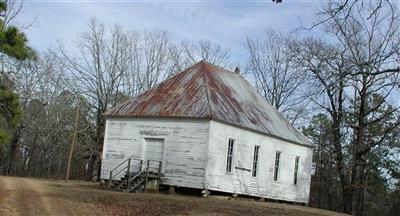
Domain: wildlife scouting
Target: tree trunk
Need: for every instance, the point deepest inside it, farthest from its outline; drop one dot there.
(358, 185)
(13, 149)
(346, 197)
(99, 168)
(337, 120)
(60, 156)
(32, 154)
(91, 167)
(95, 159)
(100, 139)
(357, 182)
(319, 183)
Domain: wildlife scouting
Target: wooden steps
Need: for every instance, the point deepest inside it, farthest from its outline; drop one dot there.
(135, 178)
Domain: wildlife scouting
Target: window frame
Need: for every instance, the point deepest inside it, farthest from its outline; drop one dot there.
(296, 170)
(277, 161)
(256, 159)
(230, 155)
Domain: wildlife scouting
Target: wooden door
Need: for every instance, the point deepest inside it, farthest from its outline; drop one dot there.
(154, 149)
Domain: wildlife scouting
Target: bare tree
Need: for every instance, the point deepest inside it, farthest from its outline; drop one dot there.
(364, 62)
(335, 9)
(276, 77)
(150, 61)
(37, 84)
(327, 68)
(96, 73)
(204, 50)
(13, 8)
(111, 67)
(372, 44)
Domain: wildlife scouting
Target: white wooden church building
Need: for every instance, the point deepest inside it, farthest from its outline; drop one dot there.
(211, 130)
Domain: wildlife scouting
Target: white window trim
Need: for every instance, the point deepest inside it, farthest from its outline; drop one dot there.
(258, 161)
(279, 167)
(296, 172)
(233, 156)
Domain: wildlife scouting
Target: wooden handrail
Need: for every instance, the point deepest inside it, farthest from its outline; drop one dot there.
(115, 168)
(139, 173)
(119, 165)
(149, 169)
(122, 168)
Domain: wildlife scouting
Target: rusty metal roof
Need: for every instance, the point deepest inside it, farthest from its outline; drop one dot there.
(211, 92)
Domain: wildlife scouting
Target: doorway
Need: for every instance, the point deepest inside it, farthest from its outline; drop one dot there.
(154, 150)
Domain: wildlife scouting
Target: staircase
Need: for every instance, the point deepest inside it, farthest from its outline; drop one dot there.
(137, 175)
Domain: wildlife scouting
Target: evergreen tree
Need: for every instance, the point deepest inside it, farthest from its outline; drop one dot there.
(10, 111)
(13, 43)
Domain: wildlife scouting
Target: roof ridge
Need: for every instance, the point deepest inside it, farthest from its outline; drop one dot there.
(264, 100)
(228, 98)
(206, 89)
(171, 76)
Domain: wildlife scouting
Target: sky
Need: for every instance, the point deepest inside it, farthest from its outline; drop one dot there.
(227, 23)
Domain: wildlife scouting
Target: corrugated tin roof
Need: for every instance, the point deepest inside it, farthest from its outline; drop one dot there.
(208, 91)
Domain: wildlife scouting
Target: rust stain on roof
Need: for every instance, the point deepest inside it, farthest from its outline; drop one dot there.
(208, 91)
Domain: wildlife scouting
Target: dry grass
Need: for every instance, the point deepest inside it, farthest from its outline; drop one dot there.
(23, 196)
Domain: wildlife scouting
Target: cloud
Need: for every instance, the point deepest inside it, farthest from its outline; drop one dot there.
(227, 24)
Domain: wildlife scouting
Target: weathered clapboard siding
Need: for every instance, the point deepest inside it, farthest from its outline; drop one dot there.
(196, 112)
(185, 144)
(241, 181)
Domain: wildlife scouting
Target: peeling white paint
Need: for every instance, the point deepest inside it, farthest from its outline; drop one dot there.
(184, 145)
(195, 156)
(240, 180)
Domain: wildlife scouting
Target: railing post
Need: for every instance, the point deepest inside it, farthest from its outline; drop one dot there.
(110, 179)
(129, 182)
(147, 176)
(129, 174)
(159, 167)
(129, 166)
(159, 176)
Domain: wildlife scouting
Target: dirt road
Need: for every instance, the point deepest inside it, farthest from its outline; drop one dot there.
(26, 196)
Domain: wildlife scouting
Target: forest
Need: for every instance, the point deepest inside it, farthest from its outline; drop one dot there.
(341, 90)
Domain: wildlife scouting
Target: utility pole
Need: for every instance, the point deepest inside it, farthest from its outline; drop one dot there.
(72, 144)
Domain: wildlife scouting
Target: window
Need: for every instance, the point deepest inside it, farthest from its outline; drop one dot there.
(296, 169)
(276, 170)
(229, 157)
(255, 161)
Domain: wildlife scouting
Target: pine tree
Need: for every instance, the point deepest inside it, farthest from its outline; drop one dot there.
(13, 43)
(10, 112)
